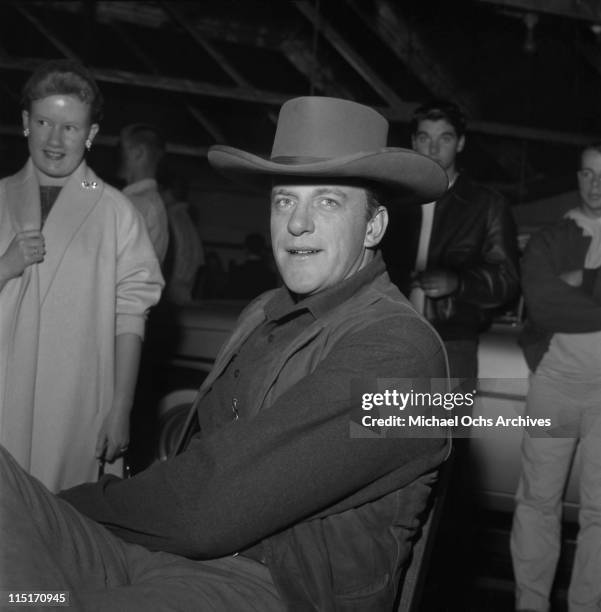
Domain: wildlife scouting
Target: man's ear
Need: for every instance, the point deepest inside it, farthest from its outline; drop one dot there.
(376, 227)
(461, 144)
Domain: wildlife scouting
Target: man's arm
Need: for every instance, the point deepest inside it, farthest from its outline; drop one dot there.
(493, 279)
(552, 304)
(254, 477)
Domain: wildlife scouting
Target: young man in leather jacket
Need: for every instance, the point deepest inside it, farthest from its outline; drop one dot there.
(456, 258)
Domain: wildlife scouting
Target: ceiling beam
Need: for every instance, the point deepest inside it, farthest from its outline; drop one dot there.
(61, 46)
(391, 98)
(180, 19)
(200, 117)
(402, 115)
(149, 15)
(587, 10)
(317, 73)
(136, 79)
(407, 45)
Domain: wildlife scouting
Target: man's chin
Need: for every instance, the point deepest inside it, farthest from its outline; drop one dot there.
(302, 287)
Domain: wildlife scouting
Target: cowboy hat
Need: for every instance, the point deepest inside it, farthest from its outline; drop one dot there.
(324, 138)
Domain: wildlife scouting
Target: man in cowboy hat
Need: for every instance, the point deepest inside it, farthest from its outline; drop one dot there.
(278, 503)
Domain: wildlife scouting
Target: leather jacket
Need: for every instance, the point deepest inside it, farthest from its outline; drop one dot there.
(474, 236)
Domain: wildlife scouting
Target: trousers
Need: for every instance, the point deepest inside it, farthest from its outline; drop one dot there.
(48, 545)
(574, 410)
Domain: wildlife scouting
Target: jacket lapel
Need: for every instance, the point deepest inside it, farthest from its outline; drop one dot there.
(73, 205)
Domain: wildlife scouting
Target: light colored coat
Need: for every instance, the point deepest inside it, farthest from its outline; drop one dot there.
(58, 321)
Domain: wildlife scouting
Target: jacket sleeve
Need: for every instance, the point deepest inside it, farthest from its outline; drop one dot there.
(493, 279)
(552, 304)
(253, 477)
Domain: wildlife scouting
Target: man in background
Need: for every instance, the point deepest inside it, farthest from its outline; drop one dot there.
(561, 341)
(142, 149)
(455, 258)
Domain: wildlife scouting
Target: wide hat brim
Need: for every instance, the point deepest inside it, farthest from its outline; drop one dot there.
(407, 177)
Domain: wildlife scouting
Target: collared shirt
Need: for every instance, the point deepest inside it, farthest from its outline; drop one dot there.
(286, 318)
(145, 197)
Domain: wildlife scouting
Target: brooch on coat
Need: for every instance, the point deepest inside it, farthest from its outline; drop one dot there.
(89, 184)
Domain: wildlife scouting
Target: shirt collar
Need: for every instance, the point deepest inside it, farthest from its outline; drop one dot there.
(139, 186)
(284, 303)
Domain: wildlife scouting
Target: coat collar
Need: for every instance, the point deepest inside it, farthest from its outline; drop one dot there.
(74, 203)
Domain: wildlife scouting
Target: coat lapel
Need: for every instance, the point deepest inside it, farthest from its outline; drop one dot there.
(73, 205)
(23, 199)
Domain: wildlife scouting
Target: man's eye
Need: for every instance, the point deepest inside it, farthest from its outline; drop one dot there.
(41, 122)
(328, 202)
(282, 202)
(586, 174)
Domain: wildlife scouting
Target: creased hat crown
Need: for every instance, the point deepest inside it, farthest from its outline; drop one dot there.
(312, 128)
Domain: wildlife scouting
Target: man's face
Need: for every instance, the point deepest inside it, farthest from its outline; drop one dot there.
(589, 182)
(320, 234)
(58, 128)
(439, 141)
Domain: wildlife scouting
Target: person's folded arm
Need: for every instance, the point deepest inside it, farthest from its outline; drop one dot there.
(552, 304)
(254, 477)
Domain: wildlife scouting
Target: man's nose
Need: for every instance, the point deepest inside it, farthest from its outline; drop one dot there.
(301, 220)
(433, 148)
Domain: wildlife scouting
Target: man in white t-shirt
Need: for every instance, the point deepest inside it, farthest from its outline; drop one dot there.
(562, 344)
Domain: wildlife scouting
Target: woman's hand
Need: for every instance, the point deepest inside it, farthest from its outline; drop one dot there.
(113, 437)
(25, 249)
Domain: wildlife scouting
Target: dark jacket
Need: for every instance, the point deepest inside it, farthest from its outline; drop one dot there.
(552, 305)
(473, 235)
(340, 548)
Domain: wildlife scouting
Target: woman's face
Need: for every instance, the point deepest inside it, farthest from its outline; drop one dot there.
(59, 126)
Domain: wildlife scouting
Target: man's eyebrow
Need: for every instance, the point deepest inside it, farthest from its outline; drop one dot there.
(281, 191)
(331, 190)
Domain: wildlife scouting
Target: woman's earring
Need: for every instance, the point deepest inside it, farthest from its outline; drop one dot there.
(26, 132)
(88, 144)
